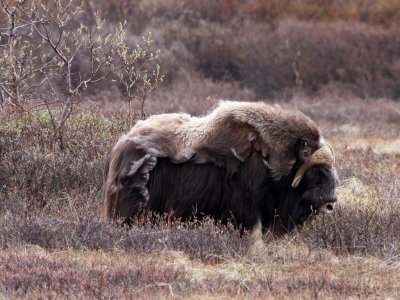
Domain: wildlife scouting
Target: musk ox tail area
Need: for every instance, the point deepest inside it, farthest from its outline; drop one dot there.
(126, 176)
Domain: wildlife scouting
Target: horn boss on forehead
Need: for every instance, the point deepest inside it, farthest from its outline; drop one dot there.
(323, 156)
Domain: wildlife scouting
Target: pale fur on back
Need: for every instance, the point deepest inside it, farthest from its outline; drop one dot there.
(229, 132)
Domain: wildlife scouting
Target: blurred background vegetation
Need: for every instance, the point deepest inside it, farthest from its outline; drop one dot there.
(247, 50)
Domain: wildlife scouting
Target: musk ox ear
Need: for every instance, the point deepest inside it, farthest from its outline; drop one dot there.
(304, 150)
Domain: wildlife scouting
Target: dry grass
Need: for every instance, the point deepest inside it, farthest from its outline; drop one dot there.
(258, 48)
(284, 270)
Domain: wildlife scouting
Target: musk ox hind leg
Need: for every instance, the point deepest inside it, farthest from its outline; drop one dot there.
(125, 192)
(134, 195)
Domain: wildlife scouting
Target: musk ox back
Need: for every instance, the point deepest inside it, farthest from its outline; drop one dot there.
(247, 162)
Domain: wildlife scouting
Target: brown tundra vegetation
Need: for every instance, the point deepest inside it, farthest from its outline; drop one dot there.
(336, 61)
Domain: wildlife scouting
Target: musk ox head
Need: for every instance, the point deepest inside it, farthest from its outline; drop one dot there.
(318, 183)
(319, 189)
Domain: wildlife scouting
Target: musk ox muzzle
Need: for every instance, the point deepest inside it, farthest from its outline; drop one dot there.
(328, 207)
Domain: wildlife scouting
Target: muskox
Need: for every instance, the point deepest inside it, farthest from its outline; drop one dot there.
(257, 165)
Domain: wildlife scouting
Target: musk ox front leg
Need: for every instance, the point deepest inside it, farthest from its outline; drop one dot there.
(257, 244)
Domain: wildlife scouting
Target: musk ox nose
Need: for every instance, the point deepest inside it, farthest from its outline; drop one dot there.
(328, 207)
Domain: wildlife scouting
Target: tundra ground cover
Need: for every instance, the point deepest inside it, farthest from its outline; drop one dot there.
(54, 245)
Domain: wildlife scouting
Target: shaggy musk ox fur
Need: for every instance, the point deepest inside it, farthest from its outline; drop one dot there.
(252, 163)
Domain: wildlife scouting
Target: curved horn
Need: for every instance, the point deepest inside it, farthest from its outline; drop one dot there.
(323, 156)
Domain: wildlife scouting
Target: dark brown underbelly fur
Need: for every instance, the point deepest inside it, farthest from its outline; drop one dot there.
(187, 190)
